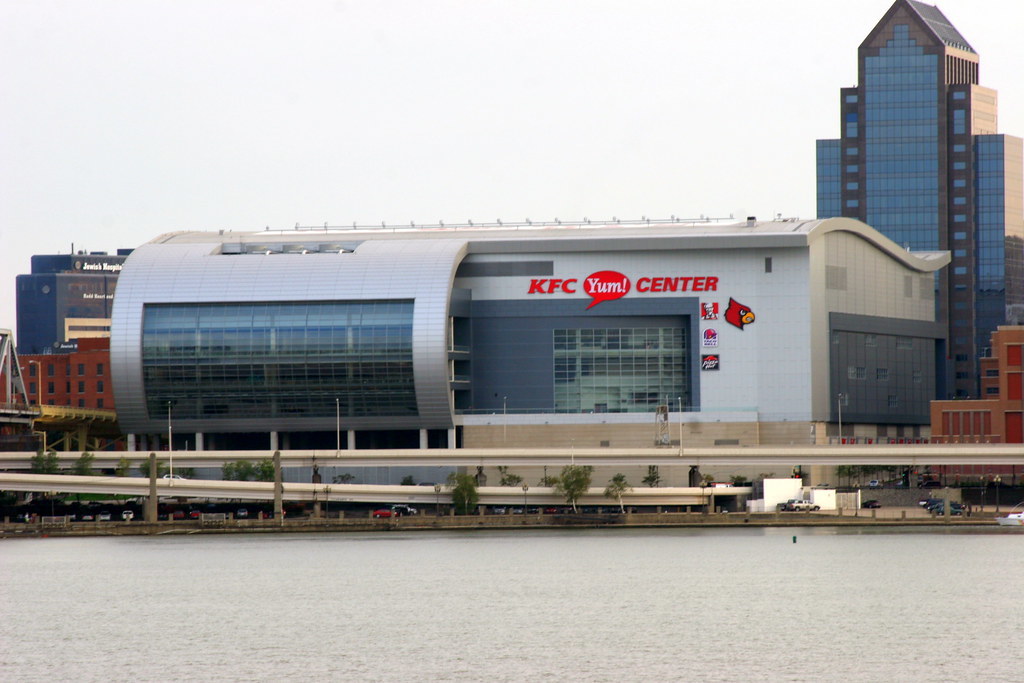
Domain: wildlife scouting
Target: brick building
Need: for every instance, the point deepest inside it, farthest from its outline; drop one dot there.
(78, 379)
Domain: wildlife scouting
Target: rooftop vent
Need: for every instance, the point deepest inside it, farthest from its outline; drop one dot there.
(751, 221)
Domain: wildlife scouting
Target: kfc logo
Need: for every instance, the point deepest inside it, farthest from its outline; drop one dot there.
(709, 361)
(709, 310)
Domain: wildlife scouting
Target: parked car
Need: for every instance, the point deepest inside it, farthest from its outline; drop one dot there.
(401, 510)
(194, 514)
(931, 485)
(127, 515)
(103, 517)
(173, 476)
(874, 483)
(871, 504)
(499, 510)
(383, 512)
(241, 513)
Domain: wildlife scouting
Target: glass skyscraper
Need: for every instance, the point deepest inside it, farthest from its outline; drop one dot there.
(920, 160)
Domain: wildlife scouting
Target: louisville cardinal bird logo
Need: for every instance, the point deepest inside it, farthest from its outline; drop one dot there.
(737, 314)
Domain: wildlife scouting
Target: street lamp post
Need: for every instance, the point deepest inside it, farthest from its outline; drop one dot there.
(170, 445)
(526, 487)
(437, 500)
(997, 481)
(680, 399)
(839, 405)
(337, 424)
(504, 418)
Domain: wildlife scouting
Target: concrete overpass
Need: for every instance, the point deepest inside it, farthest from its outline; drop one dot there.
(347, 493)
(832, 455)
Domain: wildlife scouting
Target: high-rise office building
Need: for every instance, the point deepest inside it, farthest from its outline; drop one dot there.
(920, 159)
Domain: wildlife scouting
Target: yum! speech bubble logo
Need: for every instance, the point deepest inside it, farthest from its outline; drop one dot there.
(606, 285)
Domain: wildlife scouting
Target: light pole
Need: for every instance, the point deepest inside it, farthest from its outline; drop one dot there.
(680, 399)
(504, 417)
(997, 480)
(170, 445)
(337, 424)
(437, 500)
(839, 406)
(526, 487)
(572, 452)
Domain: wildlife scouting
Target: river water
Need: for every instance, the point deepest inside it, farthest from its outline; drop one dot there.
(574, 605)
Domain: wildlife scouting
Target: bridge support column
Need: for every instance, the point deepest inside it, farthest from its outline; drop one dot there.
(350, 439)
(132, 446)
(278, 485)
(200, 442)
(273, 441)
(151, 502)
(451, 438)
(424, 443)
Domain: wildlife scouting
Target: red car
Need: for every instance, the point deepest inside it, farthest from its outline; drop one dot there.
(383, 512)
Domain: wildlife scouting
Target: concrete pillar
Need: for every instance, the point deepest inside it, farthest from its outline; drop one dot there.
(131, 442)
(278, 485)
(200, 441)
(350, 439)
(151, 507)
(273, 441)
(423, 439)
(316, 509)
(451, 438)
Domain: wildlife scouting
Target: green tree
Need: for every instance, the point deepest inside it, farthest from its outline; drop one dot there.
(83, 466)
(508, 479)
(464, 493)
(738, 480)
(161, 468)
(45, 463)
(617, 486)
(264, 470)
(124, 466)
(240, 470)
(407, 480)
(573, 482)
(345, 478)
(653, 477)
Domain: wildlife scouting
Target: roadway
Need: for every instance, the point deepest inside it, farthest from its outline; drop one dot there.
(903, 454)
(346, 493)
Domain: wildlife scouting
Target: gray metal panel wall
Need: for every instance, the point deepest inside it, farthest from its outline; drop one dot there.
(197, 273)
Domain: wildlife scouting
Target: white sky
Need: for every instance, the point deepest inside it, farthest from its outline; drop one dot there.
(124, 119)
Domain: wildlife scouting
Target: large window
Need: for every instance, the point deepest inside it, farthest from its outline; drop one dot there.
(266, 360)
(619, 370)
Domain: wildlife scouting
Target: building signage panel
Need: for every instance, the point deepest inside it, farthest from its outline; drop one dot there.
(709, 361)
(709, 337)
(607, 285)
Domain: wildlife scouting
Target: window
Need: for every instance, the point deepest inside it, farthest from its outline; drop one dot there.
(893, 401)
(992, 391)
(32, 388)
(870, 340)
(49, 387)
(882, 374)
(852, 168)
(99, 386)
(81, 369)
(852, 186)
(959, 235)
(918, 376)
(32, 369)
(856, 372)
(904, 343)
(81, 387)
(852, 203)
(767, 264)
(99, 403)
(81, 403)
(279, 360)
(99, 369)
(992, 372)
(49, 370)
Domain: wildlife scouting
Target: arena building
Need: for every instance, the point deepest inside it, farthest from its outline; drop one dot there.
(619, 335)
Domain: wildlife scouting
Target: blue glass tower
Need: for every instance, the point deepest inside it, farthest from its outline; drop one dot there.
(920, 160)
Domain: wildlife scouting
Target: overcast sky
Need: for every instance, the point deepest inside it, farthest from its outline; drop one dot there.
(122, 120)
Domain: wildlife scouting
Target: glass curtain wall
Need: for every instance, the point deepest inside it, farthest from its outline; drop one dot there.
(618, 370)
(266, 360)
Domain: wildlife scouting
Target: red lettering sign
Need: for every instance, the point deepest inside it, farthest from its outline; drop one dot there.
(606, 285)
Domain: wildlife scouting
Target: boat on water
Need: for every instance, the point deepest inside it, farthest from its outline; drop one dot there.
(1014, 518)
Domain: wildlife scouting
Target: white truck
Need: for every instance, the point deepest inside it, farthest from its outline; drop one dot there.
(795, 505)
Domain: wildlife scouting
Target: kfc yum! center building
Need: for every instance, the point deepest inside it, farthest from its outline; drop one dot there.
(527, 336)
